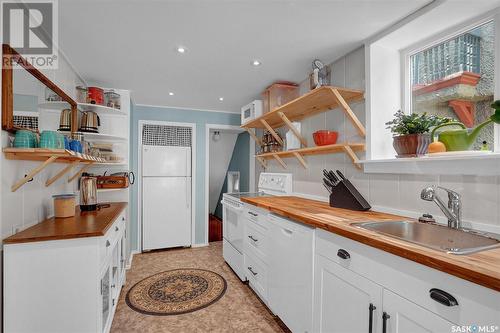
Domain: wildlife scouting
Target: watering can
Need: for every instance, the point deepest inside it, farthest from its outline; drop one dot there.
(458, 139)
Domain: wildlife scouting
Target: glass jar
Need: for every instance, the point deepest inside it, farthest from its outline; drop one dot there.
(112, 99)
(51, 96)
(81, 94)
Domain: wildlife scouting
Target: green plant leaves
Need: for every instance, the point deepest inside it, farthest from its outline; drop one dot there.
(496, 116)
(414, 123)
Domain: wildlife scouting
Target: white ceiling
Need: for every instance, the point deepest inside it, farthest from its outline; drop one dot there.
(132, 44)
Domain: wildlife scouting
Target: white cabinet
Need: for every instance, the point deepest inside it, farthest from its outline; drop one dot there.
(290, 273)
(68, 285)
(318, 281)
(409, 297)
(256, 251)
(105, 286)
(402, 316)
(344, 301)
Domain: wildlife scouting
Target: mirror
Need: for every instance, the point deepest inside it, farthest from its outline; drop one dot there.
(26, 91)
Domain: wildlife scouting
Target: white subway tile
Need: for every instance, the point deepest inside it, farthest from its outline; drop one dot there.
(384, 190)
(479, 197)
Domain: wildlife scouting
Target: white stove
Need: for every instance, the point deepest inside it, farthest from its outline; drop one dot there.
(233, 220)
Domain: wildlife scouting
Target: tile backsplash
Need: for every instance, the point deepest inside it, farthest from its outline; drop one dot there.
(392, 193)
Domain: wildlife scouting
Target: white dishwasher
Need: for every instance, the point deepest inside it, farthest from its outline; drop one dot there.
(290, 277)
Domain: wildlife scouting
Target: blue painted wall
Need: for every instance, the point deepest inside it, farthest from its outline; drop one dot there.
(240, 161)
(200, 118)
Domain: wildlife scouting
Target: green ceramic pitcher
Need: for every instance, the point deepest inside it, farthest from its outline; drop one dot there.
(458, 139)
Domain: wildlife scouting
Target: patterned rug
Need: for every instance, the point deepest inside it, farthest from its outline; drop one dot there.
(175, 292)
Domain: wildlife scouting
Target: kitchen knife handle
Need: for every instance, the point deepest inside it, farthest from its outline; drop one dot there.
(341, 175)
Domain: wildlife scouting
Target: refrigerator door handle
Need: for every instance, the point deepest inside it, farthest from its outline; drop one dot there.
(188, 182)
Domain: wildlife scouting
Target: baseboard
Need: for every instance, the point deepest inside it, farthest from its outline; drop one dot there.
(129, 263)
(200, 245)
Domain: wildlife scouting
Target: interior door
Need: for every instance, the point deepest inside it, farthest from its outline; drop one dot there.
(343, 300)
(403, 316)
(166, 212)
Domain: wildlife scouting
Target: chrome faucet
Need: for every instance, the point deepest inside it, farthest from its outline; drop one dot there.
(454, 209)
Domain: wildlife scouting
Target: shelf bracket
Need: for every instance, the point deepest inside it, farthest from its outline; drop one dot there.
(280, 161)
(254, 136)
(33, 173)
(85, 167)
(262, 162)
(354, 158)
(292, 128)
(347, 110)
(61, 173)
(273, 132)
(301, 160)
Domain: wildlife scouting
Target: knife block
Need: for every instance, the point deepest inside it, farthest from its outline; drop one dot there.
(345, 195)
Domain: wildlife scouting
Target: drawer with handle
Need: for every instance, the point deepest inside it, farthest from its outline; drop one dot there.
(256, 240)
(108, 241)
(256, 273)
(256, 215)
(454, 299)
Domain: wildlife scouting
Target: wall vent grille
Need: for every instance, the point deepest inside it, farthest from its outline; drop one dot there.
(164, 135)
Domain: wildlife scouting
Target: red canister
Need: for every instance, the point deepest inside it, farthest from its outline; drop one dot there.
(95, 95)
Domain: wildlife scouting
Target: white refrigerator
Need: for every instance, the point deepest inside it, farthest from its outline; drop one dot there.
(166, 197)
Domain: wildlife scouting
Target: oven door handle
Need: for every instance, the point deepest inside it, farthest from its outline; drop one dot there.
(231, 206)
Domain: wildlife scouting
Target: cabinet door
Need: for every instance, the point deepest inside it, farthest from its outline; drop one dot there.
(122, 250)
(105, 297)
(403, 316)
(290, 277)
(344, 301)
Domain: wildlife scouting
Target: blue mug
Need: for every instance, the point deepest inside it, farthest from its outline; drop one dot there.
(75, 146)
(66, 143)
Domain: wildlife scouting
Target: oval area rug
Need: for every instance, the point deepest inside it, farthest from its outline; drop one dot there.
(176, 292)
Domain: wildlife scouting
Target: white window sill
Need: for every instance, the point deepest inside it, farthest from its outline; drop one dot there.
(484, 165)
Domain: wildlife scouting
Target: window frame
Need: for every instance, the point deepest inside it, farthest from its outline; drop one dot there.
(433, 40)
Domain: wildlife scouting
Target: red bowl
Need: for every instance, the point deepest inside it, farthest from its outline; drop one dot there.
(324, 137)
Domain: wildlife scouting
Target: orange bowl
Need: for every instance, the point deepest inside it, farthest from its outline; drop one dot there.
(324, 137)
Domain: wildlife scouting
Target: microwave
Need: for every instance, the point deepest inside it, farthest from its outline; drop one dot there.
(251, 111)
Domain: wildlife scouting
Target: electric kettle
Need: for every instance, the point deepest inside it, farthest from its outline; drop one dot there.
(88, 192)
(90, 122)
(65, 120)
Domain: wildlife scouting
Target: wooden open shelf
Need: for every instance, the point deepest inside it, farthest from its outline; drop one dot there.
(319, 100)
(348, 148)
(47, 157)
(328, 149)
(41, 154)
(316, 101)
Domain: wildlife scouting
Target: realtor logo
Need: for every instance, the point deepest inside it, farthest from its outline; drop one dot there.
(31, 29)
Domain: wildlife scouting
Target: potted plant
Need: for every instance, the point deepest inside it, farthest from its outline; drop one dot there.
(411, 132)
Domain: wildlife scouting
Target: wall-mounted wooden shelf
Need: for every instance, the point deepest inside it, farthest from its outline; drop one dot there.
(348, 148)
(316, 101)
(47, 157)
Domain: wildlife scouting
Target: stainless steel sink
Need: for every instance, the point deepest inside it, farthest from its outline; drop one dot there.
(434, 236)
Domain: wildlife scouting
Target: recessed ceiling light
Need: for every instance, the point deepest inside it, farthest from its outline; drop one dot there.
(221, 99)
(181, 49)
(171, 93)
(256, 63)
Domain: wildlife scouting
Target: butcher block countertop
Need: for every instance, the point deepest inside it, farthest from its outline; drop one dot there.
(482, 268)
(83, 224)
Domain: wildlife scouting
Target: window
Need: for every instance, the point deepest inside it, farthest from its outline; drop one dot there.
(455, 79)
